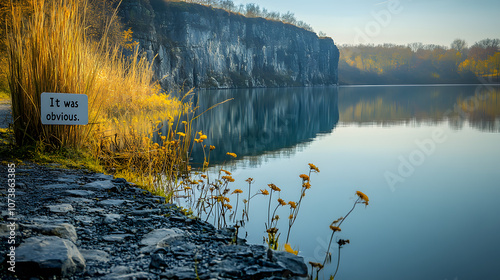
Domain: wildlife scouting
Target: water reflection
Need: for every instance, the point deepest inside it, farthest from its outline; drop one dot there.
(263, 120)
(388, 105)
(281, 121)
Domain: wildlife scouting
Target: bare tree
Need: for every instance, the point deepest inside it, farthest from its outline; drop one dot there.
(459, 45)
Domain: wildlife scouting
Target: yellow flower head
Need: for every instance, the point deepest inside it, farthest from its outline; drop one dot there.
(363, 197)
(282, 202)
(289, 249)
(228, 206)
(181, 134)
(237, 191)
(184, 122)
(231, 154)
(249, 180)
(292, 204)
(198, 140)
(290, 217)
(304, 177)
(274, 188)
(335, 228)
(203, 137)
(264, 192)
(226, 199)
(313, 167)
(306, 185)
(212, 148)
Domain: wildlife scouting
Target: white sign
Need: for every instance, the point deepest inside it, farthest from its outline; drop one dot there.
(64, 108)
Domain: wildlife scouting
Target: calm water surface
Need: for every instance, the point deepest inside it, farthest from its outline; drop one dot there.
(428, 157)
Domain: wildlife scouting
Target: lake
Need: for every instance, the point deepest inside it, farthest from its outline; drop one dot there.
(428, 157)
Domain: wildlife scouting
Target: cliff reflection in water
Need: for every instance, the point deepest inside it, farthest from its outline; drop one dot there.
(259, 121)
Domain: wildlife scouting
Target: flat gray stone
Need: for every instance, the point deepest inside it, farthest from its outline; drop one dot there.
(60, 208)
(79, 200)
(86, 220)
(66, 231)
(112, 202)
(49, 254)
(130, 276)
(160, 238)
(99, 185)
(83, 193)
(116, 237)
(95, 255)
(95, 210)
(145, 212)
(55, 186)
(112, 218)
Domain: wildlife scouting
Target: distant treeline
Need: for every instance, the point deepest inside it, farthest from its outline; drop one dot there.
(419, 63)
(254, 10)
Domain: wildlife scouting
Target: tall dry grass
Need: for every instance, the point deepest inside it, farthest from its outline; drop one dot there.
(48, 51)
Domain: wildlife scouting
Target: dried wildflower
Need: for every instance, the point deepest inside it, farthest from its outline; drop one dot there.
(198, 140)
(313, 167)
(334, 228)
(203, 137)
(203, 176)
(187, 188)
(292, 204)
(226, 198)
(225, 171)
(272, 230)
(282, 202)
(212, 148)
(274, 188)
(337, 220)
(304, 177)
(277, 217)
(181, 134)
(249, 180)
(237, 191)
(163, 138)
(289, 249)
(290, 217)
(231, 154)
(315, 264)
(205, 163)
(264, 192)
(342, 242)
(363, 197)
(228, 206)
(228, 178)
(306, 185)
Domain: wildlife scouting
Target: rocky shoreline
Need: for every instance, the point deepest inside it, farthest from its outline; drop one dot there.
(75, 224)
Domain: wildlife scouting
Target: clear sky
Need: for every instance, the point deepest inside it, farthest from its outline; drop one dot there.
(395, 21)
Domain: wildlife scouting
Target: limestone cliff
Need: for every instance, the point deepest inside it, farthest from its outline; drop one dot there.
(201, 46)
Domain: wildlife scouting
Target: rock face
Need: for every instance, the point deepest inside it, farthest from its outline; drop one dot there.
(201, 46)
(119, 232)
